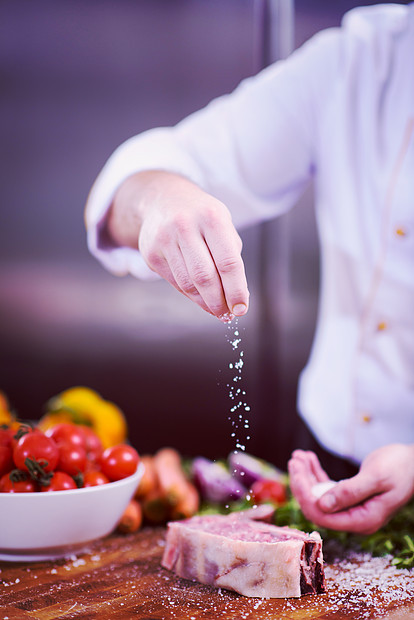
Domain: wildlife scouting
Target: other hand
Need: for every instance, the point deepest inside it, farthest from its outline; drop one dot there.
(363, 503)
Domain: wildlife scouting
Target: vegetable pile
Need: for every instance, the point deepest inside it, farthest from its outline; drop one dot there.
(241, 480)
(174, 488)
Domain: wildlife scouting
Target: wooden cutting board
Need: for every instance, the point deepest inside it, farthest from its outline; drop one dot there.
(120, 577)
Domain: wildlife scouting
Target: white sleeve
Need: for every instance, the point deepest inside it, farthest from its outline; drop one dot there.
(252, 149)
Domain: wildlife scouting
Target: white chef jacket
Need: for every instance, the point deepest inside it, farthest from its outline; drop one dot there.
(339, 110)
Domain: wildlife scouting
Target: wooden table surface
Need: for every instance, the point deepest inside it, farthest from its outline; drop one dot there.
(121, 577)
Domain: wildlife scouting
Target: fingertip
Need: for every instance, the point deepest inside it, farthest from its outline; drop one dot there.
(239, 309)
(327, 502)
(292, 466)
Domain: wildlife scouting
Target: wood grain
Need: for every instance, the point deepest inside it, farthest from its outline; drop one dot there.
(120, 577)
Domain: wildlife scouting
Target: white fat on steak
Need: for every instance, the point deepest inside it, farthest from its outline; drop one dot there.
(240, 552)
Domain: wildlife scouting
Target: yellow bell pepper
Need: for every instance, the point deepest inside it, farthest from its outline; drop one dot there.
(6, 416)
(82, 405)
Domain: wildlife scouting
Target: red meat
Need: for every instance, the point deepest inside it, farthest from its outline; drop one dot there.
(242, 553)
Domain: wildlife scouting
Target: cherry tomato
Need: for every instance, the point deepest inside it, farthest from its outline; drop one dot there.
(16, 434)
(60, 481)
(91, 466)
(67, 433)
(268, 491)
(94, 478)
(21, 486)
(6, 451)
(119, 462)
(93, 444)
(6, 459)
(6, 435)
(72, 459)
(38, 447)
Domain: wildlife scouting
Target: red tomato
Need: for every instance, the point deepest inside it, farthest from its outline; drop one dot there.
(268, 491)
(119, 462)
(94, 478)
(6, 435)
(23, 429)
(6, 451)
(39, 448)
(72, 459)
(21, 486)
(6, 459)
(93, 444)
(91, 466)
(67, 433)
(60, 481)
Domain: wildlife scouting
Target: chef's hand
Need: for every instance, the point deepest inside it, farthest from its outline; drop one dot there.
(186, 236)
(363, 503)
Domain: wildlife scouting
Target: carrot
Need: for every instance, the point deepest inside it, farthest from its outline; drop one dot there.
(148, 481)
(131, 520)
(155, 507)
(171, 477)
(188, 505)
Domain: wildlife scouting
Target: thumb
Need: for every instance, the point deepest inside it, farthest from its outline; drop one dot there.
(350, 492)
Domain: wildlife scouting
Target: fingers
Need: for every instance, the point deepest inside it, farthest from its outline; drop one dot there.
(208, 268)
(364, 518)
(349, 493)
(305, 469)
(353, 505)
(173, 270)
(198, 274)
(312, 462)
(305, 472)
(225, 248)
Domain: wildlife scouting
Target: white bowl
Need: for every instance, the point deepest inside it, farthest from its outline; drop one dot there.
(45, 526)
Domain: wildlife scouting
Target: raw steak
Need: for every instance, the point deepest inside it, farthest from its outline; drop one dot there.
(242, 553)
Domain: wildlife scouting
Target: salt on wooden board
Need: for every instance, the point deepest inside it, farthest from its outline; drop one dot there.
(120, 577)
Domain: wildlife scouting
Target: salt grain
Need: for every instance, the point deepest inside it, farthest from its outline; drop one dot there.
(79, 562)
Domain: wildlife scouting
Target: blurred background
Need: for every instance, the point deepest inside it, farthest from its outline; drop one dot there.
(78, 77)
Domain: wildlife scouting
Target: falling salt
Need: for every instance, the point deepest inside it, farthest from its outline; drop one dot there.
(239, 408)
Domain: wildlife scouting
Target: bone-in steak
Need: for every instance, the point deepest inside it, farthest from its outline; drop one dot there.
(242, 553)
